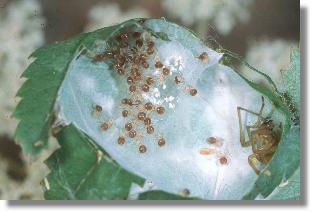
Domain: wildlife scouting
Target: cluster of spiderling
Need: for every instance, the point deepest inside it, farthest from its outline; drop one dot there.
(130, 58)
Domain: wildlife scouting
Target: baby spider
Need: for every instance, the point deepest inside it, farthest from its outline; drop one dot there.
(263, 136)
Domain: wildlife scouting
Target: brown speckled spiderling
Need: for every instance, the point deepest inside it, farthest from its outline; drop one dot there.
(223, 160)
(203, 57)
(98, 108)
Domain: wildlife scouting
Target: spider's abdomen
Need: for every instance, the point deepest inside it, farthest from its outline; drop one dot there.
(264, 144)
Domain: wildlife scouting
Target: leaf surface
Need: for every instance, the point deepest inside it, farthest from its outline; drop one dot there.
(161, 195)
(38, 94)
(291, 78)
(290, 189)
(81, 170)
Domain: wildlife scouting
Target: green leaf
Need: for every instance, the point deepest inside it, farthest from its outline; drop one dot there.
(161, 195)
(38, 93)
(291, 82)
(81, 170)
(290, 189)
(291, 78)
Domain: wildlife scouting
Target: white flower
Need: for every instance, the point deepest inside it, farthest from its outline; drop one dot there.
(224, 14)
(20, 35)
(107, 14)
(270, 57)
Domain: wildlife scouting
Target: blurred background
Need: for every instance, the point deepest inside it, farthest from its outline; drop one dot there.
(262, 31)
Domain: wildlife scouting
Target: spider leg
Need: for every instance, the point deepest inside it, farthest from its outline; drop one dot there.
(262, 106)
(243, 141)
(259, 115)
(252, 143)
(252, 160)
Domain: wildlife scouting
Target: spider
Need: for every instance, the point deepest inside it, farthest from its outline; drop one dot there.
(263, 136)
